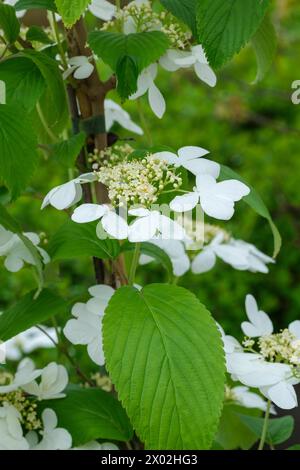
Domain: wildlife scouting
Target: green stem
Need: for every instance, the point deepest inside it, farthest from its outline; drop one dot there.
(134, 263)
(58, 41)
(144, 122)
(44, 123)
(265, 427)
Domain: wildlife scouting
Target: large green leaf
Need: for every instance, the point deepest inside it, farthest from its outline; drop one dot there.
(75, 240)
(29, 312)
(66, 152)
(9, 23)
(165, 356)
(71, 11)
(18, 144)
(185, 10)
(24, 82)
(264, 43)
(224, 27)
(35, 4)
(256, 203)
(279, 429)
(90, 414)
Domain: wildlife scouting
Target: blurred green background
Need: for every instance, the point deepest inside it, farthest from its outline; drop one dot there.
(255, 129)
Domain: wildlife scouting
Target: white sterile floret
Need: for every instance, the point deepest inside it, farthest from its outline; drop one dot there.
(26, 373)
(190, 158)
(86, 326)
(11, 433)
(53, 438)
(150, 224)
(216, 199)
(53, 381)
(80, 67)
(115, 113)
(66, 195)
(259, 323)
(146, 84)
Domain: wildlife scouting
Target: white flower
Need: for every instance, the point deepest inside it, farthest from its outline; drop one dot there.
(66, 195)
(111, 222)
(54, 438)
(249, 399)
(152, 224)
(29, 341)
(54, 379)
(173, 60)
(146, 84)
(80, 67)
(216, 199)
(190, 157)
(94, 445)
(86, 327)
(259, 323)
(102, 9)
(15, 251)
(114, 113)
(25, 374)
(20, 13)
(176, 252)
(11, 433)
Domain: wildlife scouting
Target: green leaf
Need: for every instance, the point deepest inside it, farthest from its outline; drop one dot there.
(9, 23)
(165, 357)
(155, 252)
(279, 429)
(75, 240)
(127, 73)
(224, 27)
(295, 447)
(71, 11)
(256, 203)
(18, 144)
(185, 10)
(90, 414)
(67, 151)
(35, 33)
(141, 49)
(24, 82)
(35, 4)
(264, 43)
(2, 92)
(29, 312)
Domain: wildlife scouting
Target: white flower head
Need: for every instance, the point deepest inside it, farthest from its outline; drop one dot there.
(150, 224)
(111, 222)
(216, 199)
(80, 67)
(146, 84)
(53, 438)
(86, 326)
(66, 195)
(54, 379)
(190, 158)
(11, 433)
(259, 323)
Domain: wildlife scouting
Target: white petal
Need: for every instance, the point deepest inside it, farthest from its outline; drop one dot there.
(102, 9)
(232, 189)
(65, 195)
(156, 101)
(78, 61)
(184, 203)
(88, 213)
(139, 212)
(191, 152)
(13, 263)
(115, 225)
(283, 395)
(84, 71)
(294, 328)
(203, 262)
(49, 419)
(102, 291)
(203, 166)
(95, 351)
(142, 230)
(206, 74)
(169, 157)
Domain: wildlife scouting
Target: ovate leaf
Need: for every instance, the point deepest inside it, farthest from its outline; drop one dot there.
(264, 43)
(256, 203)
(75, 240)
(185, 10)
(35, 4)
(9, 23)
(224, 27)
(165, 356)
(71, 11)
(29, 312)
(24, 82)
(279, 429)
(67, 151)
(90, 414)
(18, 148)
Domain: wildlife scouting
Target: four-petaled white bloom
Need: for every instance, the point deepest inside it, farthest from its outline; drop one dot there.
(11, 433)
(102, 9)
(146, 84)
(175, 59)
(152, 224)
(66, 195)
(114, 113)
(216, 199)
(53, 380)
(190, 158)
(80, 67)
(86, 327)
(176, 252)
(259, 323)
(53, 438)
(111, 222)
